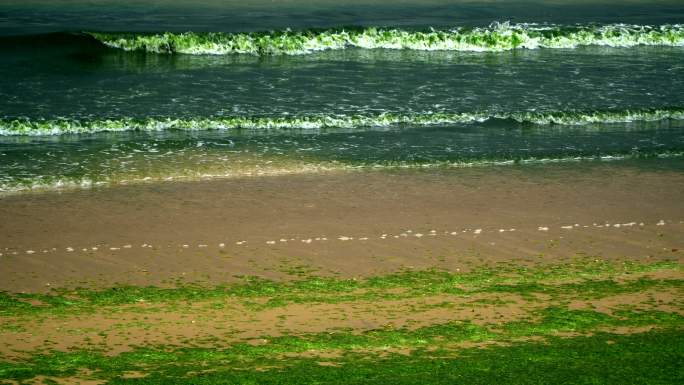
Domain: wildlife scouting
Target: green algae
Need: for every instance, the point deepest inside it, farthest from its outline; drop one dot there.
(497, 37)
(581, 280)
(280, 357)
(41, 127)
(529, 345)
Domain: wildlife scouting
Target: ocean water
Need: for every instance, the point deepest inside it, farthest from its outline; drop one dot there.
(99, 93)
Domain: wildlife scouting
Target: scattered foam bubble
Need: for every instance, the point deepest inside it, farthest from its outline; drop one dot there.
(661, 222)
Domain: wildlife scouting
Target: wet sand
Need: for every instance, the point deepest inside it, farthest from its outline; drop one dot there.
(345, 224)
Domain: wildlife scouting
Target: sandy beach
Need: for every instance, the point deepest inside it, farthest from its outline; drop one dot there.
(257, 264)
(344, 224)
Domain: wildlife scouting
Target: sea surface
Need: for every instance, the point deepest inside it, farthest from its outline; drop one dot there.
(101, 93)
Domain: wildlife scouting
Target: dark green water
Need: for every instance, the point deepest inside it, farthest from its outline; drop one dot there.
(99, 93)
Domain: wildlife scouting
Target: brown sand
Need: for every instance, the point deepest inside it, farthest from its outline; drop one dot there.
(334, 224)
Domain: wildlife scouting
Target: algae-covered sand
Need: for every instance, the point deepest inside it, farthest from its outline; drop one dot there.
(588, 321)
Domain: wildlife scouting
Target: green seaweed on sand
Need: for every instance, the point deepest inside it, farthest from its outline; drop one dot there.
(584, 279)
(386, 353)
(553, 342)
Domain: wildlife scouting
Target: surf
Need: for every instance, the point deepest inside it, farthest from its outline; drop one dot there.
(494, 38)
(43, 127)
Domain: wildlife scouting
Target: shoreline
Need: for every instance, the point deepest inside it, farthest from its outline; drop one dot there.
(346, 225)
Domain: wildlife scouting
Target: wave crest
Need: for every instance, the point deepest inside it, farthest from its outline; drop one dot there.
(496, 37)
(40, 127)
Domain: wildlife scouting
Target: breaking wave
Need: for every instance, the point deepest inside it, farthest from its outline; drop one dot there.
(496, 37)
(41, 127)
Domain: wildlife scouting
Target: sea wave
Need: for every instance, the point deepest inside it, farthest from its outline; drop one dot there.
(496, 37)
(42, 127)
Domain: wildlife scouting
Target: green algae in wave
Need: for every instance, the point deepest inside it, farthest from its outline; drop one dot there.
(572, 118)
(496, 37)
(37, 183)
